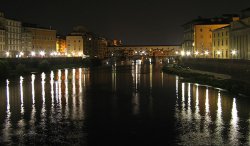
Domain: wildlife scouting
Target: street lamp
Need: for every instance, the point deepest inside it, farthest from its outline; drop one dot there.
(7, 54)
(42, 53)
(196, 53)
(21, 54)
(33, 53)
(188, 53)
(182, 53)
(234, 53)
(218, 53)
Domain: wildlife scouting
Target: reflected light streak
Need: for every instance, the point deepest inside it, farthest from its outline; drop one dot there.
(80, 95)
(74, 93)
(151, 76)
(66, 94)
(7, 123)
(114, 78)
(21, 94)
(177, 86)
(52, 88)
(183, 93)
(32, 116)
(60, 88)
(197, 109)
(234, 133)
(207, 102)
(162, 79)
(43, 76)
(33, 77)
(219, 121)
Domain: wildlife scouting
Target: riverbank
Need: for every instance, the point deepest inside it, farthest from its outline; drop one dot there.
(15, 67)
(209, 78)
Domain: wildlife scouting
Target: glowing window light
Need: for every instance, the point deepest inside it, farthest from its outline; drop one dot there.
(177, 52)
(206, 52)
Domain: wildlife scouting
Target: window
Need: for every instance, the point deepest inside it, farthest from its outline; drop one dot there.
(201, 30)
(222, 42)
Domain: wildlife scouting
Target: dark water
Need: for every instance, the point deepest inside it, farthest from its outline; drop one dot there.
(132, 105)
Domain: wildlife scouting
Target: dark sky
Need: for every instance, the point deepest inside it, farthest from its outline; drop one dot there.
(133, 21)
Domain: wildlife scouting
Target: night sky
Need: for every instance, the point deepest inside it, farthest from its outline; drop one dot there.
(149, 22)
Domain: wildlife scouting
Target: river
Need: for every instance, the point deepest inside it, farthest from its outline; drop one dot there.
(119, 105)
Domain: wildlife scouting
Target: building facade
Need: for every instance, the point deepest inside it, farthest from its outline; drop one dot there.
(75, 44)
(26, 42)
(203, 39)
(240, 36)
(13, 37)
(43, 39)
(61, 44)
(221, 45)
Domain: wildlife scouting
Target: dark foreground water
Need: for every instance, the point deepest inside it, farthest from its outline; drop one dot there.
(132, 105)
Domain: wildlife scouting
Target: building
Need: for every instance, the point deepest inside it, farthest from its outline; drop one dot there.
(102, 48)
(203, 39)
(240, 36)
(87, 44)
(221, 39)
(198, 37)
(61, 44)
(188, 34)
(26, 42)
(43, 39)
(10, 37)
(13, 37)
(2, 42)
(75, 44)
(2, 35)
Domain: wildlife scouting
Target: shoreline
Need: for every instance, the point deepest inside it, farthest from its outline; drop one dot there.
(223, 81)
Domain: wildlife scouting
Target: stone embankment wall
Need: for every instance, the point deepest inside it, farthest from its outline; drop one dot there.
(238, 69)
(34, 62)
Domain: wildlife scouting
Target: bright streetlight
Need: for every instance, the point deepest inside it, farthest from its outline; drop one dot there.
(182, 53)
(206, 52)
(33, 53)
(188, 53)
(234, 52)
(42, 53)
(21, 54)
(196, 53)
(7, 54)
(218, 52)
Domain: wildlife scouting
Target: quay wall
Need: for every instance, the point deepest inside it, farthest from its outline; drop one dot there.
(238, 69)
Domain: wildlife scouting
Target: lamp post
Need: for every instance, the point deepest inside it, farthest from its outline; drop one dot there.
(234, 53)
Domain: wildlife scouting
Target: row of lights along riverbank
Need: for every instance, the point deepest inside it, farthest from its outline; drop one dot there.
(44, 54)
(188, 53)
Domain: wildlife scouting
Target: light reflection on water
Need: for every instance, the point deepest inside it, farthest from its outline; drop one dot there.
(53, 107)
(199, 130)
